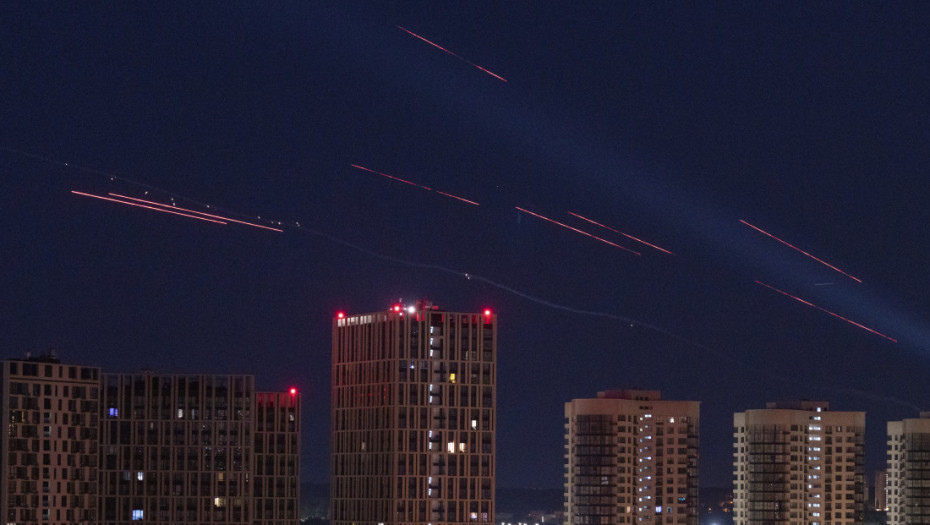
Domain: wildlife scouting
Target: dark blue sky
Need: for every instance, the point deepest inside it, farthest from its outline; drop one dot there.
(665, 120)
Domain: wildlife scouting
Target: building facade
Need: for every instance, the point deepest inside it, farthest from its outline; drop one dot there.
(631, 457)
(276, 467)
(798, 463)
(49, 453)
(177, 448)
(908, 477)
(91, 448)
(413, 417)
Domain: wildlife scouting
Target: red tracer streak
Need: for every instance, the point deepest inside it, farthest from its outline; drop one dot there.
(812, 305)
(459, 198)
(390, 177)
(577, 230)
(621, 233)
(437, 46)
(101, 197)
(760, 230)
(170, 207)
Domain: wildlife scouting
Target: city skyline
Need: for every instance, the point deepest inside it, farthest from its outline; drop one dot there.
(760, 160)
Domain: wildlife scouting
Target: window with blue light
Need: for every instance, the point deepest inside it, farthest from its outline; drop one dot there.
(114, 412)
(136, 514)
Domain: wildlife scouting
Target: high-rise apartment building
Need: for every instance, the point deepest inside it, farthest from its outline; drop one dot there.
(49, 450)
(174, 448)
(413, 417)
(908, 478)
(798, 463)
(631, 457)
(276, 463)
(86, 447)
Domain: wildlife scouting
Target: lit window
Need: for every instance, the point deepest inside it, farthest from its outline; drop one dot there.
(474, 424)
(452, 377)
(219, 502)
(461, 447)
(114, 412)
(140, 475)
(136, 514)
(180, 413)
(451, 447)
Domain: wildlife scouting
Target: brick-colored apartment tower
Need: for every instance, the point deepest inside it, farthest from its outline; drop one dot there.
(798, 463)
(180, 448)
(276, 468)
(413, 417)
(176, 448)
(49, 451)
(90, 448)
(631, 457)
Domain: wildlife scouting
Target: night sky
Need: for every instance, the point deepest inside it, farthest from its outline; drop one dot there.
(668, 121)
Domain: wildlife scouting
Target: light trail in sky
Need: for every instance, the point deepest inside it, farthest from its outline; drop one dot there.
(405, 181)
(153, 208)
(621, 233)
(838, 316)
(427, 188)
(720, 354)
(172, 207)
(577, 230)
(760, 230)
(456, 197)
(724, 355)
(112, 177)
(437, 46)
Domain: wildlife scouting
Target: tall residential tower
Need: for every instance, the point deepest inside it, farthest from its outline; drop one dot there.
(631, 458)
(413, 417)
(50, 450)
(908, 475)
(88, 448)
(798, 463)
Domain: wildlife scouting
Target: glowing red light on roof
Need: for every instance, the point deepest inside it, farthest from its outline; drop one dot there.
(487, 311)
(340, 315)
(396, 307)
(293, 391)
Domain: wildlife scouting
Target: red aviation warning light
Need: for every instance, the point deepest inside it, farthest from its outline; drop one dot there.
(293, 391)
(396, 308)
(340, 315)
(487, 312)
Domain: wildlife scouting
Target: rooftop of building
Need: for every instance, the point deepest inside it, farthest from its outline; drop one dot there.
(801, 404)
(632, 394)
